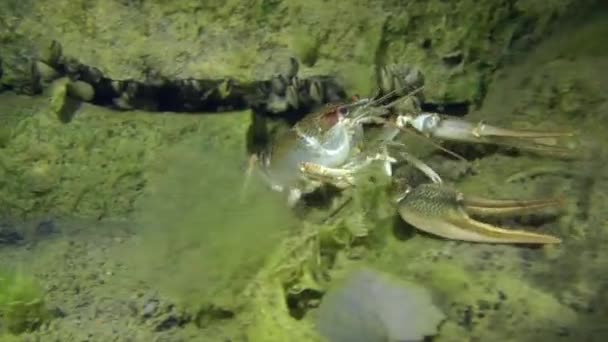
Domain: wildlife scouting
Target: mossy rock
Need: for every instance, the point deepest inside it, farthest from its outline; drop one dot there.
(457, 44)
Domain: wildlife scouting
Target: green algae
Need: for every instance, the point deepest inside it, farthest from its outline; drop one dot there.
(92, 166)
(458, 45)
(22, 304)
(306, 47)
(308, 260)
(203, 239)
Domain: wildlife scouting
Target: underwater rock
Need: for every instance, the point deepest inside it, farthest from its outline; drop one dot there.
(459, 44)
(149, 308)
(19, 73)
(371, 307)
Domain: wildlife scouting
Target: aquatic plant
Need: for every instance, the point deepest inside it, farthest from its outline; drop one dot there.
(289, 286)
(22, 305)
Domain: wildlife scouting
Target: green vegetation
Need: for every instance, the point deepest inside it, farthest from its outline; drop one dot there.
(22, 305)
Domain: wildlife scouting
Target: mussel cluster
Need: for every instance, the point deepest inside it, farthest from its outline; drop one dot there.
(288, 93)
(280, 94)
(401, 80)
(283, 95)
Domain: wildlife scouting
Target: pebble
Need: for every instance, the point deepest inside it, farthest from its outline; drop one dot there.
(149, 308)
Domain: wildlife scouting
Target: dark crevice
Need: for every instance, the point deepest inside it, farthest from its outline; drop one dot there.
(380, 54)
(453, 109)
(172, 322)
(471, 152)
(10, 237)
(453, 59)
(300, 303)
(280, 94)
(283, 96)
(208, 315)
(426, 44)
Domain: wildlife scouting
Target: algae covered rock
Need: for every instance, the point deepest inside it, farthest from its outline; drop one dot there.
(17, 50)
(92, 166)
(457, 44)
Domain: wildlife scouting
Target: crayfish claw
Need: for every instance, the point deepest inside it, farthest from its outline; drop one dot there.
(454, 129)
(442, 211)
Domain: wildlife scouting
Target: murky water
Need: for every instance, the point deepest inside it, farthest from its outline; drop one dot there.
(197, 262)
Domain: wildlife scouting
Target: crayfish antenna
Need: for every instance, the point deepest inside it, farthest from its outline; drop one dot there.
(251, 164)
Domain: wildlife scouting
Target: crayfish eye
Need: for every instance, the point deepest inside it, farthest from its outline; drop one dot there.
(334, 115)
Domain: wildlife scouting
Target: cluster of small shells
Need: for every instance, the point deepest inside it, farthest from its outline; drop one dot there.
(287, 92)
(52, 65)
(282, 93)
(402, 80)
